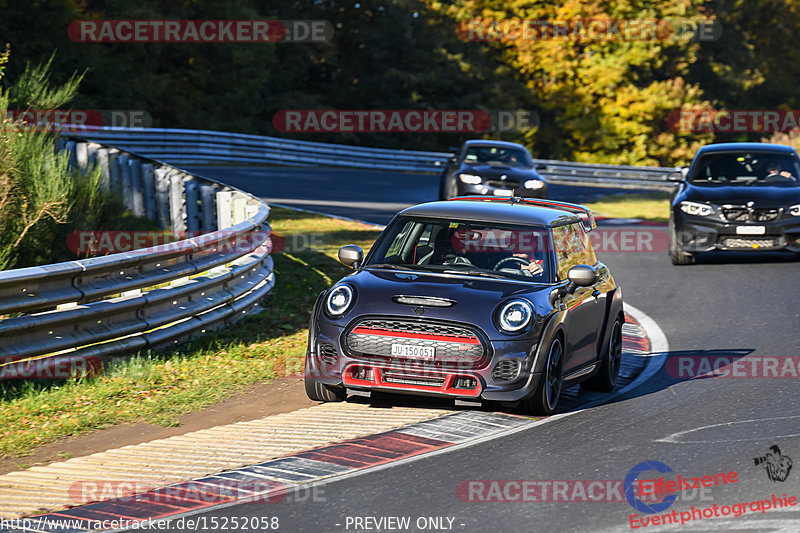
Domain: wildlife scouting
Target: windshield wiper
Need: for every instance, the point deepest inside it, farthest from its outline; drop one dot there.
(390, 266)
(475, 272)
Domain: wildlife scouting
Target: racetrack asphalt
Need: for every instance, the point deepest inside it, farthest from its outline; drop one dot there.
(733, 305)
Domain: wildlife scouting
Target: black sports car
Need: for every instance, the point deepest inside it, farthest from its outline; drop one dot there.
(474, 299)
(737, 196)
(492, 168)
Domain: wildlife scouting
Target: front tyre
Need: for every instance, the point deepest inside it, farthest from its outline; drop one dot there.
(678, 256)
(320, 392)
(545, 399)
(606, 379)
(450, 188)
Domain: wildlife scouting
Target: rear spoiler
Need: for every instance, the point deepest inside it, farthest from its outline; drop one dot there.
(582, 211)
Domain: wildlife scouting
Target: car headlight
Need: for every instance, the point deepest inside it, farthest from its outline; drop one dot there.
(471, 179)
(514, 316)
(533, 184)
(794, 210)
(339, 300)
(694, 208)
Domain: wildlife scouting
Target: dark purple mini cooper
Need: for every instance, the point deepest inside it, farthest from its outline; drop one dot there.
(475, 299)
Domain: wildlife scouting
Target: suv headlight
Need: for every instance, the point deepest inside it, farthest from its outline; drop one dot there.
(471, 179)
(339, 300)
(514, 316)
(794, 210)
(694, 208)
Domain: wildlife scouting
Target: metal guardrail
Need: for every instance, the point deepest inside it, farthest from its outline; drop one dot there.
(197, 147)
(146, 298)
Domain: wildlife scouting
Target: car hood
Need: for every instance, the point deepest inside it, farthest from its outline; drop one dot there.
(771, 196)
(475, 298)
(495, 171)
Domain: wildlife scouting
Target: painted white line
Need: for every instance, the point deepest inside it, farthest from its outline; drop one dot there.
(675, 438)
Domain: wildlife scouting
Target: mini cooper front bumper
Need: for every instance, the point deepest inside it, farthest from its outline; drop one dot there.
(441, 358)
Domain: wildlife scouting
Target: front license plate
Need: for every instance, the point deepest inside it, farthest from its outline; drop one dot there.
(425, 353)
(503, 192)
(751, 230)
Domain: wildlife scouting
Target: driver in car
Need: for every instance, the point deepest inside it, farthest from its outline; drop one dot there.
(776, 172)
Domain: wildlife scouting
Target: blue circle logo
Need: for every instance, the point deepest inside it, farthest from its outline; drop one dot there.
(630, 483)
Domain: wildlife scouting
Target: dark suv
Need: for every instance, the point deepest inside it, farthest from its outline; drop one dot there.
(737, 196)
(474, 299)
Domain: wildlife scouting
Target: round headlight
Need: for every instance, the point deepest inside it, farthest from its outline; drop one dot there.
(339, 300)
(795, 210)
(515, 315)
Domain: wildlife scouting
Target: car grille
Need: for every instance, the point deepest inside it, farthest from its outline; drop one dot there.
(751, 243)
(455, 345)
(412, 378)
(328, 353)
(506, 370)
(743, 214)
(500, 184)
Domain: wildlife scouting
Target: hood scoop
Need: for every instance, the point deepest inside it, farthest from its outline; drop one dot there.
(427, 301)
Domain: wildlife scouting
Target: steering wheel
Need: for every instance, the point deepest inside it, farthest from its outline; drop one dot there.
(511, 259)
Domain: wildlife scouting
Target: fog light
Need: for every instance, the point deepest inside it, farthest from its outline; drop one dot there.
(362, 373)
(465, 383)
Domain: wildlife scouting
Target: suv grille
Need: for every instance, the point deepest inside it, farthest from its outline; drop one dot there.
(506, 370)
(453, 344)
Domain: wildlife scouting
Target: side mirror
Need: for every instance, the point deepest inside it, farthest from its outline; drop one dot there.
(581, 276)
(678, 175)
(351, 255)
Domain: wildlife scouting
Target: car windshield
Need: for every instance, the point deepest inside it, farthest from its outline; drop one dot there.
(747, 169)
(496, 155)
(474, 248)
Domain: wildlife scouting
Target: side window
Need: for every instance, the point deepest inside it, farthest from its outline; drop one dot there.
(572, 247)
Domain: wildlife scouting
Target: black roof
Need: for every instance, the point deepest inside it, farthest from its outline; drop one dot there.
(500, 212)
(499, 144)
(747, 147)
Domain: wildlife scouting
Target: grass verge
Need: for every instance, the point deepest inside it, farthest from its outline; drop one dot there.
(651, 206)
(156, 387)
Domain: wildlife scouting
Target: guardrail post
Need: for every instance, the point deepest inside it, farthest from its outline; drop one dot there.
(71, 152)
(176, 210)
(239, 208)
(162, 198)
(125, 181)
(114, 173)
(192, 206)
(101, 156)
(148, 184)
(224, 209)
(137, 190)
(208, 205)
